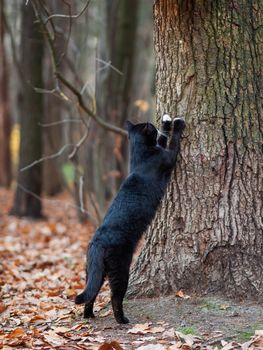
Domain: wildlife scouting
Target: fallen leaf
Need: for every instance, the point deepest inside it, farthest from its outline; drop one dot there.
(111, 346)
(71, 292)
(258, 341)
(180, 294)
(232, 346)
(106, 313)
(37, 319)
(61, 329)
(139, 328)
(53, 338)
(54, 292)
(2, 307)
(186, 347)
(187, 339)
(16, 333)
(169, 333)
(152, 347)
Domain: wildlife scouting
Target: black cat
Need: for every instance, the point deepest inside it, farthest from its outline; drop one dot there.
(111, 249)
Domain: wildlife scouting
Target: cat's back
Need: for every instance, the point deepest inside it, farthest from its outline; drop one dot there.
(133, 208)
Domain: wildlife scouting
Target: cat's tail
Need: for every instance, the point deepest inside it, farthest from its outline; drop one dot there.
(95, 270)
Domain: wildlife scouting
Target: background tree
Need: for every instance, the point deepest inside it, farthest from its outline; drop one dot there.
(29, 182)
(5, 120)
(107, 155)
(207, 236)
(55, 109)
(124, 75)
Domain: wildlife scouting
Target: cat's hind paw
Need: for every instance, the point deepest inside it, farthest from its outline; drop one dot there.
(122, 320)
(179, 124)
(88, 311)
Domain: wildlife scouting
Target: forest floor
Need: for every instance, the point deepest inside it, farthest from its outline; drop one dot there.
(42, 269)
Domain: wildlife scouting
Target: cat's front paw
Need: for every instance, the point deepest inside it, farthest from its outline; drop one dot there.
(166, 118)
(179, 124)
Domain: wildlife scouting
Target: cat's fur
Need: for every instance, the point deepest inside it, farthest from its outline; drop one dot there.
(111, 249)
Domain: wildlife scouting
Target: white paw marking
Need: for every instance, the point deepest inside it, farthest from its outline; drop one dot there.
(166, 118)
(178, 119)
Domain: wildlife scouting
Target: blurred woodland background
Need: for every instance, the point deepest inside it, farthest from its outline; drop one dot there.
(72, 72)
(53, 55)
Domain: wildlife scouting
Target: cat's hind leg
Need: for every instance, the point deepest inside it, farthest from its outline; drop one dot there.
(164, 133)
(119, 286)
(118, 266)
(88, 308)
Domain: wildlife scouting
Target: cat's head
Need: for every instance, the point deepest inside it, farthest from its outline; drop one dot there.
(145, 133)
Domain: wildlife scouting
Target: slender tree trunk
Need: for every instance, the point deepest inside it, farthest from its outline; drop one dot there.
(113, 96)
(122, 38)
(5, 123)
(29, 182)
(54, 106)
(207, 236)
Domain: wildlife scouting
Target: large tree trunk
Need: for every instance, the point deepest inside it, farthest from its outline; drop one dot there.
(29, 184)
(5, 123)
(207, 236)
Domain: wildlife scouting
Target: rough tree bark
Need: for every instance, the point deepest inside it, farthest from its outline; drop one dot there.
(5, 122)
(207, 236)
(29, 182)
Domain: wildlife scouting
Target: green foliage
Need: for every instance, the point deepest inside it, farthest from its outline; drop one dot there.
(188, 330)
(214, 305)
(68, 171)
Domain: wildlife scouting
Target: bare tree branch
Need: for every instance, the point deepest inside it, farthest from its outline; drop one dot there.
(85, 108)
(108, 64)
(68, 16)
(78, 145)
(95, 206)
(59, 202)
(51, 156)
(67, 84)
(58, 122)
(81, 197)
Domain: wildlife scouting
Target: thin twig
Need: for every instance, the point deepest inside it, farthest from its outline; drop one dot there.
(72, 88)
(51, 156)
(46, 125)
(53, 201)
(95, 206)
(45, 91)
(81, 196)
(82, 105)
(108, 64)
(59, 15)
(78, 145)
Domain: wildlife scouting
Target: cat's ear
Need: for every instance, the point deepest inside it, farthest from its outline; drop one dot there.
(128, 125)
